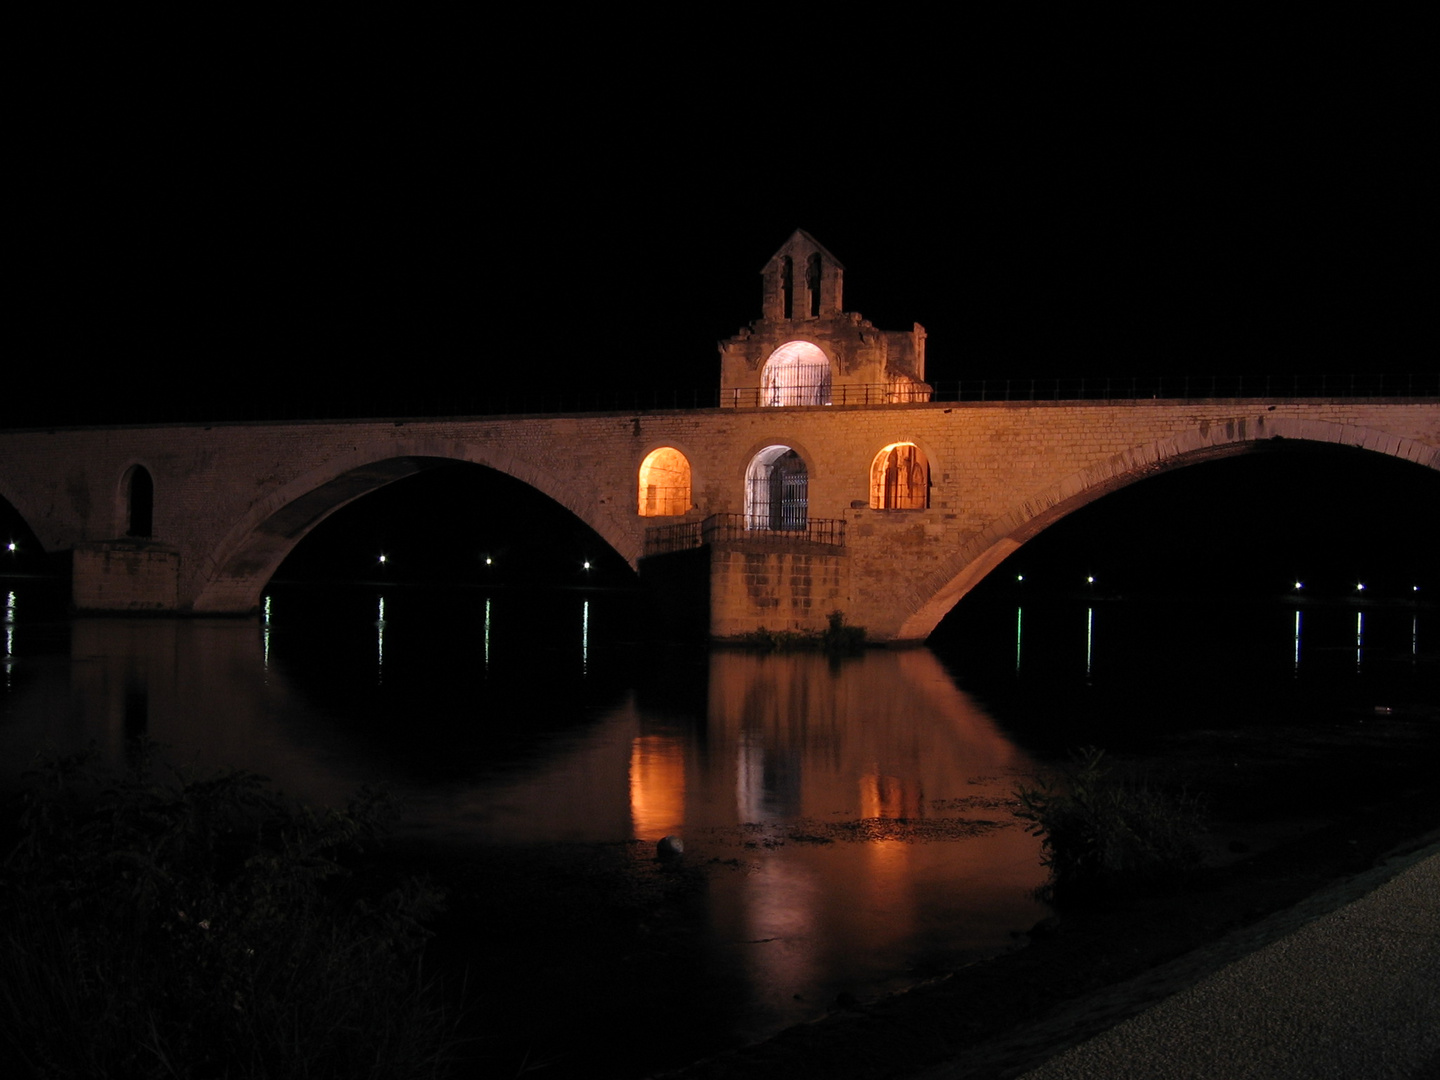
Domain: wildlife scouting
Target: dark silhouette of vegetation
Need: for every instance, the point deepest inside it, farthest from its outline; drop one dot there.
(1104, 829)
(838, 638)
(163, 923)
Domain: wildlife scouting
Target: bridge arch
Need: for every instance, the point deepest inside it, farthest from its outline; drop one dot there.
(963, 570)
(233, 577)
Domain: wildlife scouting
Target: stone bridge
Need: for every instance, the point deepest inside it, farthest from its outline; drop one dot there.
(888, 513)
(828, 480)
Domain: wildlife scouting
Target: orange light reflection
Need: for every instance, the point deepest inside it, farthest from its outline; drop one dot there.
(657, 786)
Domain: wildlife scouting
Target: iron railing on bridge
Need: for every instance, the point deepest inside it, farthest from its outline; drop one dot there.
(746, 528)
(1077, 388)
(1103, 388)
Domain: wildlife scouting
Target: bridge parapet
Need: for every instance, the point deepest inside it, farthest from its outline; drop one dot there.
(739, 529)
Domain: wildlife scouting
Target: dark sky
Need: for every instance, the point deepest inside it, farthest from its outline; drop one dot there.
(365, 224)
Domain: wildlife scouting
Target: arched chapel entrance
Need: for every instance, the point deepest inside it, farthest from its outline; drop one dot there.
(797, 373)
(777, 491)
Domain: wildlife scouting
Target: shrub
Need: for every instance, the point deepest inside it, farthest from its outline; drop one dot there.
(1103, 830)
(837, 639)
(184, 925)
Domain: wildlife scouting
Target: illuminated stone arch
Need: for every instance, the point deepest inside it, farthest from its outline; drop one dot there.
(797, 373)
(664, 484)
(900, 478)
(777, 491)
(135, 503)
(978, 556)
(235, 572)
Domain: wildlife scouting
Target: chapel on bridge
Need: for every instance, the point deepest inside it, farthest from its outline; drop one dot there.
(805, 349)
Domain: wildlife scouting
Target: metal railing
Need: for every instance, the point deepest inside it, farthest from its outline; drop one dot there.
(754, 397)
(739, 528)
(1191, 387)
(664, 539)
(1105, 388)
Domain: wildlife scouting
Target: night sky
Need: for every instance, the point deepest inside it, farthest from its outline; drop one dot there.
(433, 218)
(422, 219)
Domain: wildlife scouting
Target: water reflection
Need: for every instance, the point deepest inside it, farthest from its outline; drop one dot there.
(380, 639)
(852, 817)
(9, 631)
(657, 786)
(838, 810)
(1019, 624)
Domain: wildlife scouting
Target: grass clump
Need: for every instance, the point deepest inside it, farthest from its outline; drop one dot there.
(161, 923)
(1104, 829)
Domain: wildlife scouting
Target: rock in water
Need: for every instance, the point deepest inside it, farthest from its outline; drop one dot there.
(672, 847)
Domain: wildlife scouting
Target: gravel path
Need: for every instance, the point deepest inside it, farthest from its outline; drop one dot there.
(1346, 985)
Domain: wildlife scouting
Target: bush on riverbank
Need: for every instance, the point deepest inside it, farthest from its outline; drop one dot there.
(838, 638)
(1103, 829)
(162, 923)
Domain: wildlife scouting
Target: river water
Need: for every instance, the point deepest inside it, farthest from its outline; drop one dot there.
(851, 815)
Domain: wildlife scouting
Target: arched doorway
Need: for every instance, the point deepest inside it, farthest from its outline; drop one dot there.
(900, 478)
(664, 483)
(797, 373)
(137, 502)
(777, 491)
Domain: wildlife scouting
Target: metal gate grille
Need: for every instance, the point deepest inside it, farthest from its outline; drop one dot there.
(779, 498)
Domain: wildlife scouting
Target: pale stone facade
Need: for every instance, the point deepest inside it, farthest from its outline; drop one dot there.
(805, 349)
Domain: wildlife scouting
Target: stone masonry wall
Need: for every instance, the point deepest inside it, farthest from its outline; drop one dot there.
(765, 589)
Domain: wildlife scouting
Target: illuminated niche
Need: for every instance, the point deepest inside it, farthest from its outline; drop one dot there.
(137, 502)
(777, 491)
(797, 373)
(664, 483)
(900, 478)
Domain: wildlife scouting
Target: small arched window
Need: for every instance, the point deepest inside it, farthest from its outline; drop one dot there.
(664, 483)
(900, 478)
(137, 502)
(797, 373)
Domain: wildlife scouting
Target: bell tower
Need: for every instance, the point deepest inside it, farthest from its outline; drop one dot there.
(806, 349)
(802, 281)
